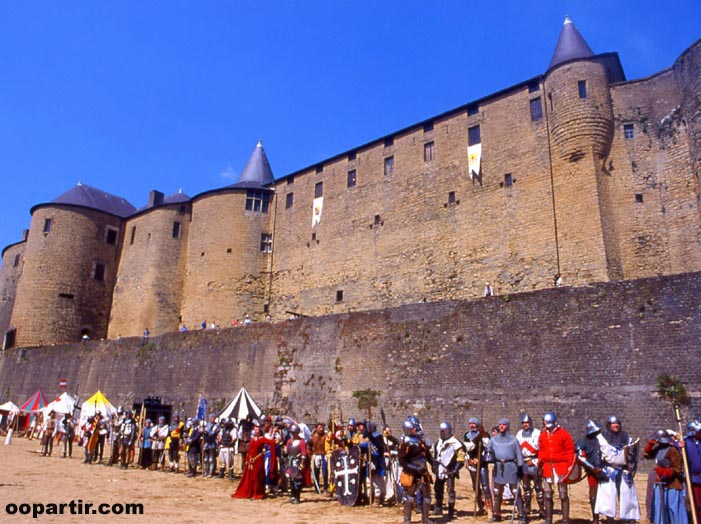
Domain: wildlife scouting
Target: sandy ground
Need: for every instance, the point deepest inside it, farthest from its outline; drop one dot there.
(27, 477)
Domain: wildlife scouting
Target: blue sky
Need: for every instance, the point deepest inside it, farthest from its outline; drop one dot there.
(132, 96)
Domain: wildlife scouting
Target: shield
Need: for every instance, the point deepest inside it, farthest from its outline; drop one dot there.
(346, 472)
(575, 474)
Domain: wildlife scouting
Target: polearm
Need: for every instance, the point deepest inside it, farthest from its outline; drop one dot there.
(685, 460)
(478, 476)
(141, 431)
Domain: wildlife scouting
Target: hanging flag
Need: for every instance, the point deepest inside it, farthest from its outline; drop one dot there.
(63, 383)
(316, 213)
(474, 160)
(202, 409)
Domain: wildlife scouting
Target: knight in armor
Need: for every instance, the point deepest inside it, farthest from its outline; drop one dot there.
(620, 459)
(226, 438)
(102, 435)
(449, 458)
(588, 452)
(159, 434)
(174, 435)
(555, 458)
(476, 440)
(393, 490)
(319, 462)
(296, 451)
(668, 493)
(414, 457)
(209, 444)
(127, 438)
(87, 430)
(527, 438)
(115, 424)
(692, 449)
(360, 439)
(505, 452)
(376, 448)
(192, 438)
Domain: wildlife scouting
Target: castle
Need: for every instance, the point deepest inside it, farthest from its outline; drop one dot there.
(576, 176)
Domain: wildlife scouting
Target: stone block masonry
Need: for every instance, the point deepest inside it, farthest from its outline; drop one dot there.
(583, 352)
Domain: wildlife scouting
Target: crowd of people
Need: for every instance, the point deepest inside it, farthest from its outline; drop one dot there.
(361, 463)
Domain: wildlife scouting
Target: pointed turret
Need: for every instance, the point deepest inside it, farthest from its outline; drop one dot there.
(257, 172)
(570, 45)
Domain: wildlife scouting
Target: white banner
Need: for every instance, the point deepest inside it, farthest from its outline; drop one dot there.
(474, 160)
(316, 212)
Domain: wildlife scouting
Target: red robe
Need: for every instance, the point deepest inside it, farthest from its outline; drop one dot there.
(252, 485)
(556, 452)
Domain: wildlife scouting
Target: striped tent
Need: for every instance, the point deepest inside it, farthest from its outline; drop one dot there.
(242, 406)
(35, 403)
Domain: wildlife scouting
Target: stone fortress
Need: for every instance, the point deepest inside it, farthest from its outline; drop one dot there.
(577, 174)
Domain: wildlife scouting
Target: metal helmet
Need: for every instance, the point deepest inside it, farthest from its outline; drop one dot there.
(120, 410)
(414, 420)
(161, 419)
(446, 430)
(613, 419)
(694, 427)
(294, 429)
(372, 426)
(526, 418)
(591, 428)
(662, 436)
(351, 422)
(408, 427)
(549, 419)
(473, 420)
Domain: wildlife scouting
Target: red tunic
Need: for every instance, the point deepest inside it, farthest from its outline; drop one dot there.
(556, 452)
(252, 483)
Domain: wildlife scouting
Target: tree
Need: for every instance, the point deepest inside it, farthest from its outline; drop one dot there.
(367, 399)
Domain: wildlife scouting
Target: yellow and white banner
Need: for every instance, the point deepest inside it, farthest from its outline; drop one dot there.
(474, 160)
(316, 213)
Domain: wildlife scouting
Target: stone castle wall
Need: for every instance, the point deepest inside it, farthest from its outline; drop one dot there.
(583, 352)
(10, 273)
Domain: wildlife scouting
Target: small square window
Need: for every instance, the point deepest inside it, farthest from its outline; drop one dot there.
(628, 131)
(429, 148)
(389, 165)
(473, 109)
(289, 200)
(508, 180)
(110, 236)
(389, 142)
(98, 272)
(428, 127)
(320, 168)
(639, 198)
(266, 243)
(318, 189)
(47, 225)
(534, 87)
(313, 237)
(290, 180)
(582, 87)
(229, 250)
(536, 109)
(351, 156)
(176, 229)
(339, 295)
(451, 197)
(351, 178)
(473, 135)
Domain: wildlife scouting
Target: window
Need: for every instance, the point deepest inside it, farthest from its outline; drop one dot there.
(289, 200)
(628, 131)
(351, 178)
(389, 142)
(176, 229)
(389, 165)
(473, 136)
(351, 156)
(639, 198)
(536, 109)
(378, 220)
(47, 225)
(318, 189)
(290, 180)
(428, 151)
(257, 201)
(451, 197)
(473, 109)
(110, 236)
(582, 86)
(550, 99)
(508, 180)
(428, 127)
(98, 271)
(17, 258)
(131, 236)
(339, 295)
(320, 168)
(534, 87)
(266, 243)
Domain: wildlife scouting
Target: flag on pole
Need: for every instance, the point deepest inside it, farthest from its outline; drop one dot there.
(202, 409)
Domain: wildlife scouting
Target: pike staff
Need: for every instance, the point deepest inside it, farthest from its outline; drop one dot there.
(685, 460)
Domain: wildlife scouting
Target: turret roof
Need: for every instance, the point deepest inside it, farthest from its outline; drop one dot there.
(87, 196)
(257, 172)
(570, 45)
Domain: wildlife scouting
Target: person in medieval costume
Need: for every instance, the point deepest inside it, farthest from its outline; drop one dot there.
(114, 425)
(414, 457)
(296, 452)
(360, 439)
(620, 459)
(449, 457)
(527, 438)
(319, 462)
(192, 438)
(226, 438)
(252, 485)
(209, 439)
(667, 504)
(244, 437)
(476, 440)
(175, 433)
(103, 431)
(86, 431)
(128, 431)
(393, 490)
(692, 448)
(159, 434)
(588, 451)
(505, 452)
(376, 448)
(556, 458)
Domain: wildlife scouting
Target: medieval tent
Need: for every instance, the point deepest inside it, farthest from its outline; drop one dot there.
(98, 402)
(242, 406)
(35, 403)
(64, 403)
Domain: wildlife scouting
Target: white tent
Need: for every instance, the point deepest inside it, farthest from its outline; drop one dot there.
(242, 406)
(64, 403)
(9, 407)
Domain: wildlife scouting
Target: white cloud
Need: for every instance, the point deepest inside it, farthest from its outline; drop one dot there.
(228, 174)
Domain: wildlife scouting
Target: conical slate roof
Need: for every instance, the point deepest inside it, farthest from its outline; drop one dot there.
(257, 172)
(176, 198)
(86, 196)
(570, 45)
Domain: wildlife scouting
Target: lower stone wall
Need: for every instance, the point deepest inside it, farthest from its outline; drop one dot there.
(582, 352)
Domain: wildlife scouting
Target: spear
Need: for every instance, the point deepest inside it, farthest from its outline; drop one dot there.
(685, 460)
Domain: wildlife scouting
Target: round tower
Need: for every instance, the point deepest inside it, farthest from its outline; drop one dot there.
(578, 98)
(230, 245)
(148, 291)
(10, 274)
(69, 269)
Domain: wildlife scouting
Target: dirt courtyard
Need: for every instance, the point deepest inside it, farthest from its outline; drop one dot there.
(27, 478)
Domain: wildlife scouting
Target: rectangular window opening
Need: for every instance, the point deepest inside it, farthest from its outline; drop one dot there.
(389, 142)
(536, 109)
(110, 236)
(508, 180)
(534, 87)
(176, 229)
(628, 131)
(378, 220)
(473, 135)
(389, 165)
(131, 236)
(17, 258)
(289, 200)
(582, 87)
(98, 272)
(266, 243)
(429, 149)
(428, 127)
(320, 168)
(318, 189)
(473, 109)
(351, 156)
(339, 295)
(451, 197)
(257, 201)
(290, 180)
(351, 178)
(47, 225)
(639, 198)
